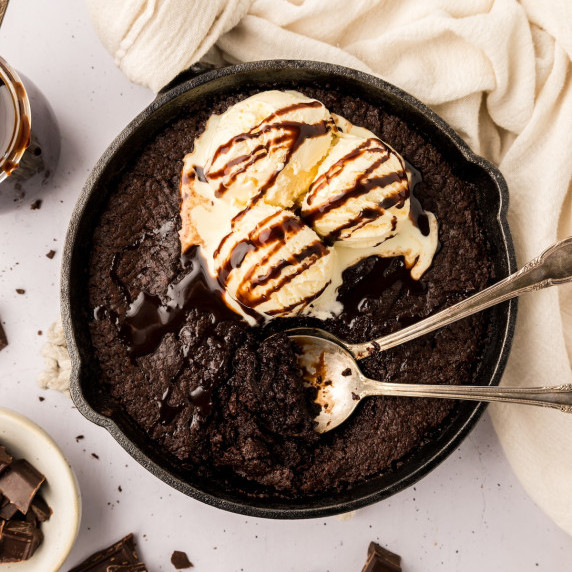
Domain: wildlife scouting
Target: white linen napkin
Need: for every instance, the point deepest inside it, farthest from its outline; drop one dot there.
(498, 71)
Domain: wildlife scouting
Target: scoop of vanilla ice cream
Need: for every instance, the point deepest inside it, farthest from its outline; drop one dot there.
(361, 190)
(272, 262)
(254, 165)
(268, 145)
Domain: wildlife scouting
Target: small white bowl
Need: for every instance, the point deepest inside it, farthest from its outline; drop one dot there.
(24, 439)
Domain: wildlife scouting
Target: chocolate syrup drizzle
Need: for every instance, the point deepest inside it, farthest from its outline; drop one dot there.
(363, 185)
(270, 234)
(290, 135)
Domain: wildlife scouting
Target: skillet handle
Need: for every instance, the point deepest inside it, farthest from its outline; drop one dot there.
(193, 71)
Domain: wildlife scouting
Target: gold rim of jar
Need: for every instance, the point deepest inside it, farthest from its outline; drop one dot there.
(20, 139)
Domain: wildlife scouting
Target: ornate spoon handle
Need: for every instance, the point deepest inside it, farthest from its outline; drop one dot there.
(553, 266)
(557, 396)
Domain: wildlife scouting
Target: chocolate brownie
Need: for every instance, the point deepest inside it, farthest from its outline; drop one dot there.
(227, 399)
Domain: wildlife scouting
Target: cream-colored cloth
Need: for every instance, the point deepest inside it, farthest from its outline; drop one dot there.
(498, 71)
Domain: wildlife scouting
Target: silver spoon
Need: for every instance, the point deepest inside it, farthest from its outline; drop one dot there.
(330, 364)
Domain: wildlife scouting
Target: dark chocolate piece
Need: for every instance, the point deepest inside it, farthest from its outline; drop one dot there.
(20, 482)
(20, 291)
(5, 459)
(128, 568)
(3, 338)
(180, 560)
(121, 553)
(381, 560)
(51, 254)
(7, 509)
(19, 541)
(39, 510)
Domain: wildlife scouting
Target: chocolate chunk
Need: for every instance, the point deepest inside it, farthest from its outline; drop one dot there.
(3, 338)
(128, 568)
(121, 553)
(19, 541)
(19, 484)
(51, 254)
(40, 509)
(7, 509)
(20, 291)
(180, 560)
(381, 560)
(5, 459)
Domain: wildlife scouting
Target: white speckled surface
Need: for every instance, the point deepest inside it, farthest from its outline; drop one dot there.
(470, 514)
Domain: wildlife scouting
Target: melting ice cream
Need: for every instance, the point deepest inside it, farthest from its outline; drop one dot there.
(283, 196)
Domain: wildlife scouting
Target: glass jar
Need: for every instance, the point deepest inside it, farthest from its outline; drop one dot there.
(29, 140)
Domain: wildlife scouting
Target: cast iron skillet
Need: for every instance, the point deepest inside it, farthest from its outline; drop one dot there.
(492, 200)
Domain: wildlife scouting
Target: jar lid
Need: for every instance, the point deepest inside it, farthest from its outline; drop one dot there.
(15, 119)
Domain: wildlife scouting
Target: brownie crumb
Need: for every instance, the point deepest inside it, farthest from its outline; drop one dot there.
(37, 204)
(41, 398)
(40, 333)
(347, 371)
(180, 560)
(51, 254)
(20, 291)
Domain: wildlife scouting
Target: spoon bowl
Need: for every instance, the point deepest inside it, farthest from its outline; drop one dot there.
(333, 372)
